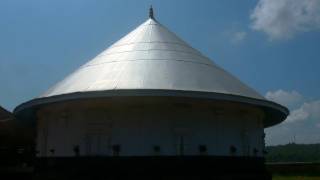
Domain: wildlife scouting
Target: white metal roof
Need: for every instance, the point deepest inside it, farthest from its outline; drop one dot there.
(151, 57)
(153, 61)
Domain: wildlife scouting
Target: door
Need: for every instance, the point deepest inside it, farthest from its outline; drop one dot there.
(245, 143)
(181, 145)
(182, 138)
(97, 144)
(98, 135)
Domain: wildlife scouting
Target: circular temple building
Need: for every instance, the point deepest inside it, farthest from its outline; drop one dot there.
(149, 104)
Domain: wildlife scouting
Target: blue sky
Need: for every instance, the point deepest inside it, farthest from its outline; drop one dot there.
(271, 45)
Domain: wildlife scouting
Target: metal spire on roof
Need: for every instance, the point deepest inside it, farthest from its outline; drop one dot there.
(151, 12)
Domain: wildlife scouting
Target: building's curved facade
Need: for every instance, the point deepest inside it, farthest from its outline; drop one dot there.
(150, 126)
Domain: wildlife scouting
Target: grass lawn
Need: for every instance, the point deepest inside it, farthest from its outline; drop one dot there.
(284, 177)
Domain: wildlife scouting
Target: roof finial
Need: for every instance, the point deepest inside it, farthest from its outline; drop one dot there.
(151, 12)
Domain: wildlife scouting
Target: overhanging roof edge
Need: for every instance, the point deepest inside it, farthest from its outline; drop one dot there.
(160, 93)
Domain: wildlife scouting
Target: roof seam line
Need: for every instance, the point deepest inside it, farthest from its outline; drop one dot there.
(186, 52)
(148, 60)
(145, 42)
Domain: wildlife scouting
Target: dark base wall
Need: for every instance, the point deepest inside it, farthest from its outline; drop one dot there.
(186, 167)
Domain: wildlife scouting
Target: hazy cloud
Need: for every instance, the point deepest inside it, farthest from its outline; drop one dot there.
(293, 99)
(302, 123)
(238, 36)
(307, 110)
(297, 115)
(286, 98)
(282, 19)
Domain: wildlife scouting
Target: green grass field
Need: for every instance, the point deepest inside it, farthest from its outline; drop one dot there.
(283, 177)
(294, 171)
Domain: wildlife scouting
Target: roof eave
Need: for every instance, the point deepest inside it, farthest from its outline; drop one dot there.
(275, 113)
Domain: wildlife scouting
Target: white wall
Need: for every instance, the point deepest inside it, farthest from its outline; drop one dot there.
(95, 128)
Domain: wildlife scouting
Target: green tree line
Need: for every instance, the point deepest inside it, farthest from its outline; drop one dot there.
(293, 153)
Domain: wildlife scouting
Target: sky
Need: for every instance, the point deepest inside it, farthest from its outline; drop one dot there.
(271, 45)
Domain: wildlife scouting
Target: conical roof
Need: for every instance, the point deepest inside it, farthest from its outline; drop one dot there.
(151, 59)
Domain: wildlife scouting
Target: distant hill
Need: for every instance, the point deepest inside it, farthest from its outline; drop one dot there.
(293, 153)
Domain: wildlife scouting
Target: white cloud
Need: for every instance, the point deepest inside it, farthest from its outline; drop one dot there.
(303, 123)
(282, 19)
(238, 36)
(309, 110)
(285, 98)
(298, 115)
(304, 110)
